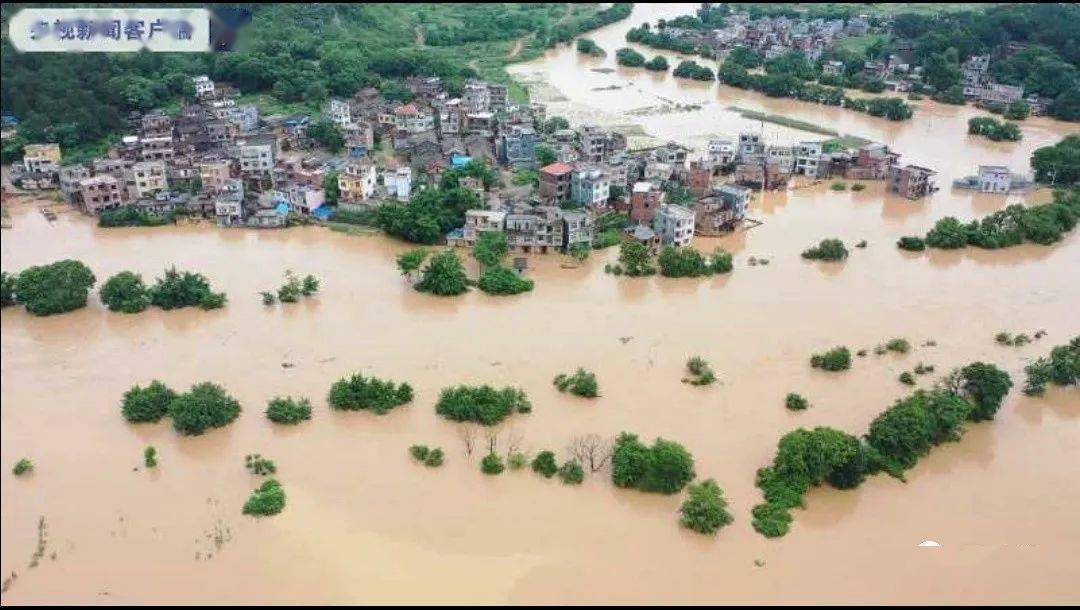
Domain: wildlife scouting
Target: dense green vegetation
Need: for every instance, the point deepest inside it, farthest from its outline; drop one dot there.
(994, 129)
(359, 393)
(705, 509)
(428, 215)
(1058, 164)
(294, 288)
(688, 262)
(131, 216)
(657, 64)
(174, 290)
(147, 404)
(629, 57)
(481, 404)
(911, 243)
(7, 289)
(444, 275)
(293, 59)
(635, 259)
(580, 383)
(894, 442)
(268, 499)
(1043, 224)
(836, 359)
(1061, 367)
(409, 262)
(150, 457)
(690, 69)
(544, 464)
(125, 292)
(23, 466)
(205, 405)
(588, 46)
(700, 372)
(827, 250)
(490, 249)
(257, 465)
(288, 410)
(432, 458)
(572, 473)
(492, 464)
(796, 402)
(666, 467)
(55, 288)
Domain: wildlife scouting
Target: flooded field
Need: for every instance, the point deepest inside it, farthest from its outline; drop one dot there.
(364, 523)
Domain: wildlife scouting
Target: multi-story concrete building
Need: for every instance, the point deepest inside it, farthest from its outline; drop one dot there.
(356, 181)
(645, 201)
(721, 210)
(590, 186)
(339, 112)
(41, 158)
(70, 178)
(229, 203)
(555, 180)
(808, 158)
(593, 143)
(721, 153)
(214, 174)
(398, 183)
(256, 155)
(994, 179)
(146, 178)
(911, 181)
(101, 192)
(674, 224)
(577, 228)
(518, 148)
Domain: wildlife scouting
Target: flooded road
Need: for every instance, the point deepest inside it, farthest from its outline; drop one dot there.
(365, 524)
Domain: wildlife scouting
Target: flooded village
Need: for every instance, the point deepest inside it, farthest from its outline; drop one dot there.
(599, 155)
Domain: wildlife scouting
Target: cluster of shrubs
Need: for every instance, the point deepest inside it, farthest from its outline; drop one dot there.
(481, 404)
(444, 275)
(1043, 224)
(258, 465)
(131, 216)
(544, 464)
(1061, 367)
(657, 64)
(689, 262)
(268, 499)
(125, 292)
(1006, 338)
(836, 359)
(432, 458)
(580, 383)
(629, 58)
(911, 243)
(705, 508)
(665, 467)
(691, 69)
(359, 393)
(45, 290)
(589, 47)
(827, 250)
(288, 410)
(150, 457)
(895, 441)
(23, 466)
(501, 280)
(206, 405)
(796, 402)
(292, 289)
(700, 372)
(994, 129)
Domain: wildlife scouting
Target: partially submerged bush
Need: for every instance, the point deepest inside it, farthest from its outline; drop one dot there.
(899, 345)
(700, 371)
(907, 378)
(796, 402)
(54, 288)
(357, 393)
(267, 500)
(125, 292)
(1061, 367)
(492, 464)
(175, 289)
(836, 359)
(481, 404)
(827, 250)
(288, 410)
(258, 465)
(666, 467)
(572, 473)
(147, 404)
(205, 405)
(150, 457)
(544, 464)
(23, 466)
(705, 510)
(580, 383)
(911, 243)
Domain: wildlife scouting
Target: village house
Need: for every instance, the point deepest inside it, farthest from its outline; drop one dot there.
(398, 183)
(808, 159)
(256, 155)
(872, 162)
(911, 181)
(476, 222)
(721, 153)
(99, 193)
(356, 182)
(213, 174)
(538, 229)
(994, 179)
(41, 158)
(645, 201)
(70, 179)
(721, 210)
(518, 148)
(674, 224)
(555, 182)
(145, 178)
(229, 203)
(590, 186)
(204, 87)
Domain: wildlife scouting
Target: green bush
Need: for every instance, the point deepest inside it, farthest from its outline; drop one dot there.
(544, 464)
(150, 457)
(492, 464)
(258, 465)
(357, 393)
(147, 404)
(1061, 367)
(907, 378)
(517, 460)
(481, 404)
(629, 57)
(899, 345)
(23, 466)
(175, 289)
(204, 406)
(572, 473)
(705, 510)
(54, 288)
(434, 458)
(911, 243)
(419, 452)
(7, 289)
(268, 499)
(581, 383)
(796, 402)
(500, 280)
(657, 64)
(771, 520)
(288, 410)
(985, 385)
(125, 292)
(444, 275)
(666, 467)
(827, 250)
(836, 359)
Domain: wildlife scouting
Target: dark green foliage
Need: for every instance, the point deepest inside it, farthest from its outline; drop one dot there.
(666, 467)
(796, 402)
(444, 275)
(572, 473)
(899, 345)
(147, 404)
(1062, 368)
(434, 458)
(1043, 224)
(544, 464)
(326, 134)
(419, 452)
(907, 378)
(1018, 110)
(629, 57)
(589, 47)
(691, 69)
(409, 262)
(204, 406)
(500, 280)
(994, 129)
(491, 248)
(836, 359)
(827, 250)
(7, 289)
(1059, 163)
(432, 213)
(492, 464)
(175, 290)
(544, 155)
(657, 64)
(310, 285)
(771, 520)
(150, 457)
(258, 465)
(481, 404)
(267, 500)
(357, 393)
(54, 288)
(682, 262)
(705, 509)
(911, 243)
(131, 216)
(581, 383)
(659, 40)
(125, 292)
(23, 466)
(268, 298)
(288, 410)
(985, 385)
(700, 371)
(906, 431)
(721, 261)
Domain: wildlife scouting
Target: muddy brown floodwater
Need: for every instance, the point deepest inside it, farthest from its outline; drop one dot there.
(366, 524)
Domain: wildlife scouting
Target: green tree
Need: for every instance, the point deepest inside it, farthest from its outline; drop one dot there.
(986, 386)
(147, 404)
(581, 383)
(481, 404)
(327, 134)
(501, 280)
(125, 292)
(635, 258)
(54, 288)
(7, 289)
(268, 499)
(544, 154)
(827, 250)
(359, 393)
(666, 467)
(492, 464)
(544, 464)
(705, 509)
(288, 410)
(205, 405)
(491, 248)
(444, 275)
(572, 473)
(409, 262)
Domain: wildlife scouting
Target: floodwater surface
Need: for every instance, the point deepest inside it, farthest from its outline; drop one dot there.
(365, 524)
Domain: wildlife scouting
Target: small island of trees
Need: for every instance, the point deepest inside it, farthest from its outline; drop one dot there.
(481, 404)
(665, 467)
(359, 393)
